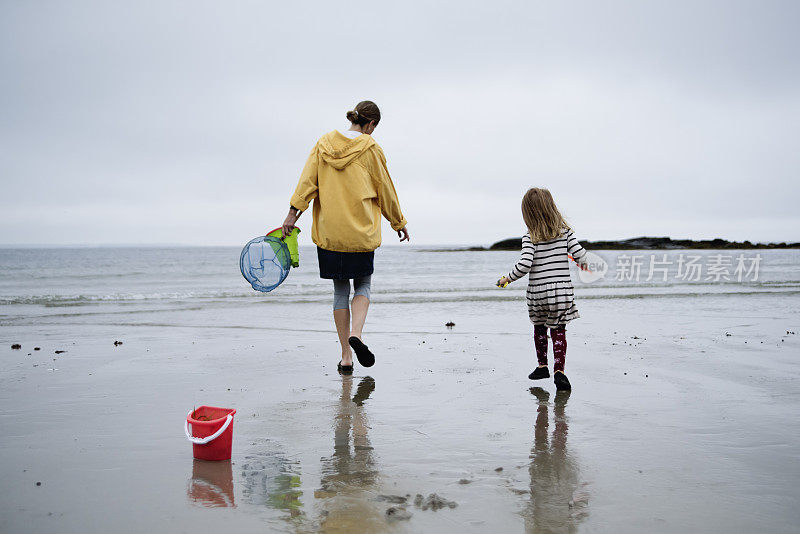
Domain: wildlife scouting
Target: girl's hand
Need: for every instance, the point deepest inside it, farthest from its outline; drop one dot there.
(503, 282)
(402, 233)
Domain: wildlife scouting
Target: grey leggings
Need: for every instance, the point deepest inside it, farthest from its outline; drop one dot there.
(341, 291)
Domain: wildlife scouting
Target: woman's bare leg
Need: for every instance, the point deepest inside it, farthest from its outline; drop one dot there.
(342, 320)
(360, 306)
(341, 317)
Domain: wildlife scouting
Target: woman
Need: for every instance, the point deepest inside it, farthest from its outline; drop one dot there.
(346, 176)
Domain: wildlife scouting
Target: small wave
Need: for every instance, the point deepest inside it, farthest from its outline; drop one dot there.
(55, 300)
(313, 292)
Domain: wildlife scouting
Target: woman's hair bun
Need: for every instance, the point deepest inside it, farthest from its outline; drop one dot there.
(364, 113)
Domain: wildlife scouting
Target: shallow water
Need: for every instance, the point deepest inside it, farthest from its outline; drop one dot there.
(682, 417)
(72, 277)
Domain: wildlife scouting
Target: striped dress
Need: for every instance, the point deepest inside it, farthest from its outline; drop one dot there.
(551, 296)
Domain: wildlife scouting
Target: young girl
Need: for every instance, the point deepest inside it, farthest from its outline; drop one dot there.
(545, 250)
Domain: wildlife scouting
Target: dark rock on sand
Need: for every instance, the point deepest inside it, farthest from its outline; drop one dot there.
(16, 346)
(117, 343)
(37, 348)
(499, 469)
(394, 499)
(60, 351)
(433, 502)
(398, 514)
(465, 481)
(449, 324)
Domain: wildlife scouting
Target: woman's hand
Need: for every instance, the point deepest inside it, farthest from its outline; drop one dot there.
(288, 223)
(403, 234)
(503, 282)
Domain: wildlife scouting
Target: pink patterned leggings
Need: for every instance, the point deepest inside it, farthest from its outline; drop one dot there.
(559, 337)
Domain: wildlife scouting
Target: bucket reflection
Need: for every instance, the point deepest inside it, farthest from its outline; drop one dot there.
(211, 484)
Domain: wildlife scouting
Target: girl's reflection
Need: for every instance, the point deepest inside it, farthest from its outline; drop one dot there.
(558, 502)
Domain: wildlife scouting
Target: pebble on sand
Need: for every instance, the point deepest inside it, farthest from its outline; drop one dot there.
(117, 343)
(60, 351)
(16, 346)
(449, 324)
(394, 499)
(433, 502)
(398, 514)
(37, 348)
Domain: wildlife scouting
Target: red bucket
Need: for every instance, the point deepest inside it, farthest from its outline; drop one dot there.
(212, 432)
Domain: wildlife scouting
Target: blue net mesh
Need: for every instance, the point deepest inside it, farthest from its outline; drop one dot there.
(265, 263)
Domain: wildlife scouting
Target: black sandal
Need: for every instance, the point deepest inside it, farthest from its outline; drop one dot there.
(344, 369)
(364, 355)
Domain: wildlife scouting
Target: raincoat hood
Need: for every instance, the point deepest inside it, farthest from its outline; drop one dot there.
(339, 151)
(349, 198)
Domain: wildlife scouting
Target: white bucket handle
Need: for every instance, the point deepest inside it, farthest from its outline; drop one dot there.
(207, 439)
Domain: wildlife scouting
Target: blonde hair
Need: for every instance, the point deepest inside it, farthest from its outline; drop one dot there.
(541, 215)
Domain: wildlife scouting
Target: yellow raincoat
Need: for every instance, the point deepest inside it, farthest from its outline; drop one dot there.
(351, 188)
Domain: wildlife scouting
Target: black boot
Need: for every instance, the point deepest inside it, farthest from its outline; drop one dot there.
(562, 383)
(539, 373)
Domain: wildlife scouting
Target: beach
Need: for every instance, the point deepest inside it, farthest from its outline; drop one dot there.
(683, 414)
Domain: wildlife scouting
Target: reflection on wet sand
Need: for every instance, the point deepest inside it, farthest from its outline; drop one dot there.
(558, 502)
(349, 476)
(270, 479)
(211, 484)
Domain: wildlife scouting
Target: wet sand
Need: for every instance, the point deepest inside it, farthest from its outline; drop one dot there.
(683, 417)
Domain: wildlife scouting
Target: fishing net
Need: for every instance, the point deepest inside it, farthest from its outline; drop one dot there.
(265, 262)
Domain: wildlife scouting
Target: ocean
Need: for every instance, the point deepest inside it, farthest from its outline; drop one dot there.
(71, 283)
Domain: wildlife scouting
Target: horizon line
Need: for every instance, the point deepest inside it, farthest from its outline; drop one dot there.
(449, 244)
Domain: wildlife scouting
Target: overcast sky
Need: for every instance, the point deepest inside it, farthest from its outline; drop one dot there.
(189, 122)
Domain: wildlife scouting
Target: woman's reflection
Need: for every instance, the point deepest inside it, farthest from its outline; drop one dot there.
(558, 502)
(349, 476)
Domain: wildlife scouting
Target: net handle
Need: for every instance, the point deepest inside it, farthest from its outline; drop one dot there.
(276, 229)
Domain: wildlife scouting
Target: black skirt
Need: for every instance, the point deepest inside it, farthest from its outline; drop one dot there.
(344, 265)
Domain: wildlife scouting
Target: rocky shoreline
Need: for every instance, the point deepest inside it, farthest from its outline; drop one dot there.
(647, 243)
